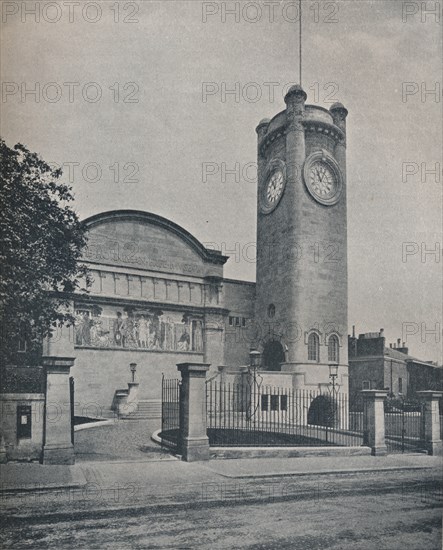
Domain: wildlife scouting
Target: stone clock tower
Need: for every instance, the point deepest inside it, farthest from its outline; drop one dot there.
(301, 304)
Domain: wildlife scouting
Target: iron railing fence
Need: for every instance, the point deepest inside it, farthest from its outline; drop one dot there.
(404, 426)
(356, 414)
(170, 411)
(251, 414)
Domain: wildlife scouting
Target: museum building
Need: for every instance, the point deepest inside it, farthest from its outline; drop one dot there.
(159, 297)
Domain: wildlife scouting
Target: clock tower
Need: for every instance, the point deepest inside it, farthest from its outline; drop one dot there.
(301, 303)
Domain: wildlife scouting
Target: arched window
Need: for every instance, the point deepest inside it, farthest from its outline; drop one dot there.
(313, 347)
(333, 348)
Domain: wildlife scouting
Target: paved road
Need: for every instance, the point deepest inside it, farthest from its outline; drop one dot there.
(399, 510)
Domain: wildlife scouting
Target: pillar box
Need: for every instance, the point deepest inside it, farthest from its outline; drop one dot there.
(374, 421)
(193, 439)
(431, 421)
(58, 447)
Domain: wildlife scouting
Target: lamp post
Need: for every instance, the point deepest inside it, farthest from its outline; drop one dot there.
(333, 373)
(133, 368)
(254, 363)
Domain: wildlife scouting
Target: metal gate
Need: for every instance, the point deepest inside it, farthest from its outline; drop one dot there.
(71, 397)
(404, 426)
(171, 388)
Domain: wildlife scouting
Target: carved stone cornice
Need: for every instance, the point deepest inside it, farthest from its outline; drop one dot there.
(122, 301)
(270, 138)
(329, 130)
(319, 126)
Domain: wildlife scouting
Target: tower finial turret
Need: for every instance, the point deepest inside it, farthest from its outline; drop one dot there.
(339, 114)
(295, 91)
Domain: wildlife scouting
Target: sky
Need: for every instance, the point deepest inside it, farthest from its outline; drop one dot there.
(162, 106)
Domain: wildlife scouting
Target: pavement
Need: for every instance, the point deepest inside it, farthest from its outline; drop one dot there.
(122, 455)
(171, 471)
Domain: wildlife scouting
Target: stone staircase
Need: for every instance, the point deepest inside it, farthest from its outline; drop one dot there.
(145, 410)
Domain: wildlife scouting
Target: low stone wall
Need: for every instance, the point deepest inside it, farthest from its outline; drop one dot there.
(22, 433)
(285, 452)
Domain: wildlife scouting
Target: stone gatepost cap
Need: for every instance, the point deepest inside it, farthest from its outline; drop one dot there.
(57, 362)
(374, 393)
(430, 393)
(193, 367)
(296, 91)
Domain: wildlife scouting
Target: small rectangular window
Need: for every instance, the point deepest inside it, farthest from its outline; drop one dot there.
(274, 402)
(24, 428)
(22, 344)
(237, 321)
(264, 402)
(366, 385)
(284, 402)
(400, 385)
(231, 321)
(243, 322)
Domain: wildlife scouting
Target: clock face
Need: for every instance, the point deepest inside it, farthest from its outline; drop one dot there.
(323, 178)
(274, 188)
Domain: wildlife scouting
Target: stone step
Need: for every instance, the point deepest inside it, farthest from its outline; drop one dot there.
(145, 411)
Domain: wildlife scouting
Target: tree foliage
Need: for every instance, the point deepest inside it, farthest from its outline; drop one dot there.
(41, 244)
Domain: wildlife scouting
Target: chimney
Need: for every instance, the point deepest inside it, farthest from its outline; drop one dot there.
(390, 345)
(381, 332)
(398, 342)
(353, 331)
(403, 349)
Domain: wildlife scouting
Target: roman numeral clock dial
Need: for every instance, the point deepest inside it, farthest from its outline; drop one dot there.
(323, 178)
(274, 186)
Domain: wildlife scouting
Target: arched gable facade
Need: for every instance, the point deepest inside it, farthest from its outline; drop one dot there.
(157, 298)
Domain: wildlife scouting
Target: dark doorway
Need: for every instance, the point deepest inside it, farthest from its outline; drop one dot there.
(273, 355)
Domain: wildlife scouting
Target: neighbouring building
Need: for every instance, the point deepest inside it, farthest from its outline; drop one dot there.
(373, 365)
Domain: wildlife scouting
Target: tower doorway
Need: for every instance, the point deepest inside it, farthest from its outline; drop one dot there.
(273, 355)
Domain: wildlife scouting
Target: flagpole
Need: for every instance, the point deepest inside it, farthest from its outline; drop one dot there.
(299, 48)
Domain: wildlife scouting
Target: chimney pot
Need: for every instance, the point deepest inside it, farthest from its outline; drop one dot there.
(398, 342)
(353, 331)
(390, 345)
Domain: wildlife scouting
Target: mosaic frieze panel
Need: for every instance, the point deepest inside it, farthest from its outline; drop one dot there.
(137, 328)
